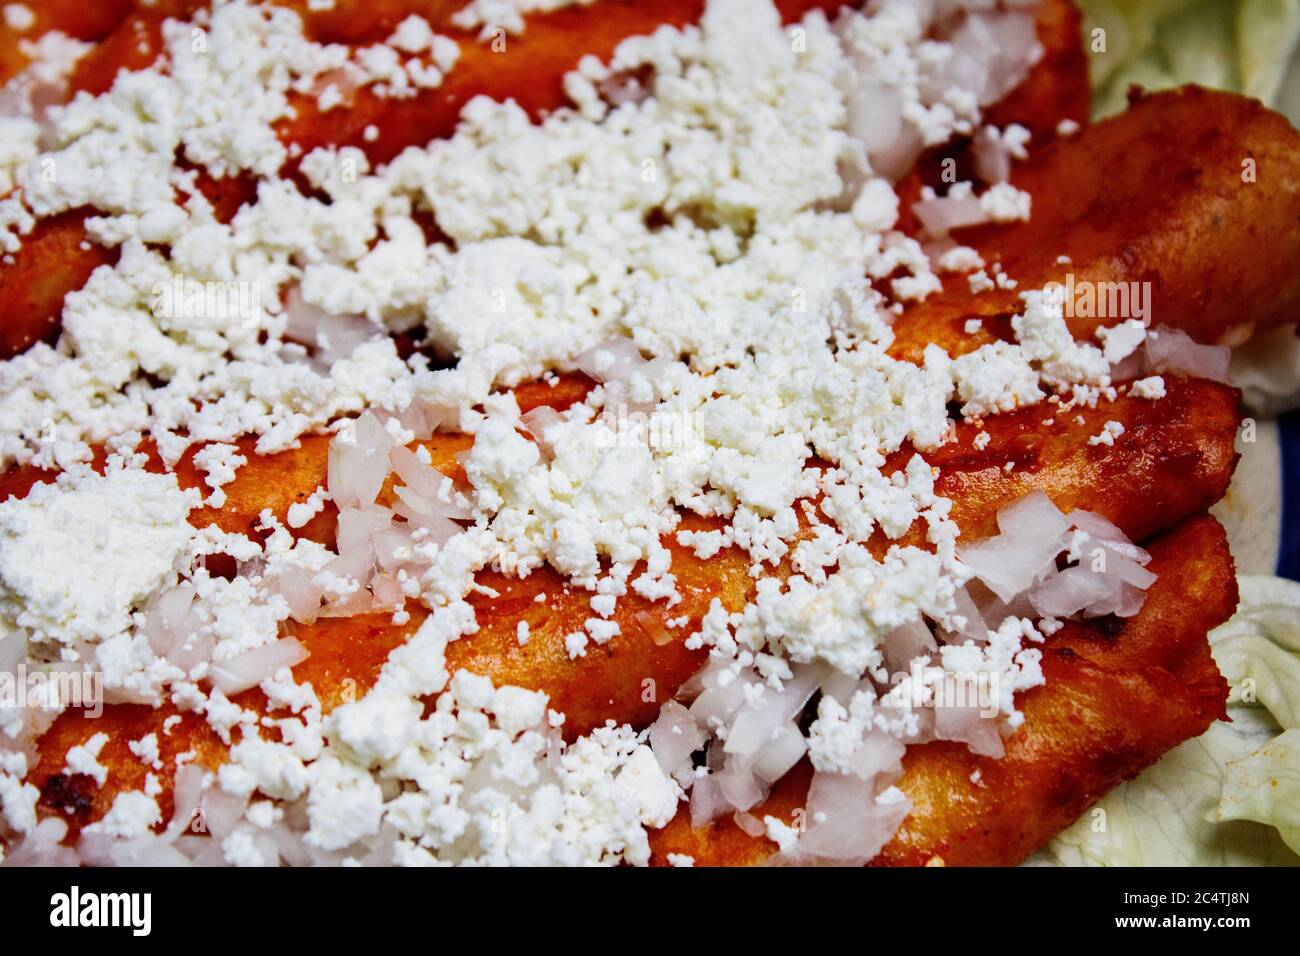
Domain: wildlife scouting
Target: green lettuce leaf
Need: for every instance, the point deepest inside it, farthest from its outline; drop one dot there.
(1231, 796)
(1265, 787)
(1241, 45)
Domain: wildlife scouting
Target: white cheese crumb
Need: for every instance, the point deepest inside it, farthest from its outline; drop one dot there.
(146, 748)
(219, 461)
(1110, 431)
(1152, 387)
(77, 556)
(19, 17)
(84, 758)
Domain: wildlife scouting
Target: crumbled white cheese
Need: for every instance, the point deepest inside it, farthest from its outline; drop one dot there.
(995, 378)
(19, 17)
(146, 748)
(1152, 387)
(300, 512)
(220, 461)
(710, 247)
(507, 15)
(132, 814)
(84, 758)
(1046, 341)
(1120, 341)
(79, 555)
(1109, 432)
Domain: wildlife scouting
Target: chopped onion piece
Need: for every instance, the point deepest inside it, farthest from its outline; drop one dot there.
(905, 643)
(437, 528)
(966, 725)
(221, 811)
(537, 422)
(187, 792)
(13, 651)
(756, 723)
(943, 214)
(720, 700)
(1095, 526)
(358, 462)
(612, 361)
(992, 160)
(674, 737)
(164, 619)
(332, 336)
(738, 784)
(192, 650)
(707, 801)
(357, 529)
(749, 823)
(392, 546)
(1009, 566)
(786, 749)
(1067, 593)
(840, 687)
(651, 624)
(1173, 350)
(252, 667)
(880, 756)
(1031, 516)
(992, 54)
(875, 116)
(297, 587)
(972, 626)
(425, 484)
(43, 846)
(846, 821)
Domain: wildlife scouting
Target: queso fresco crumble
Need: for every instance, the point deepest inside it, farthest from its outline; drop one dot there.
(709, 233)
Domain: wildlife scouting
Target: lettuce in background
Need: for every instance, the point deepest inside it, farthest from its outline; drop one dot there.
(1232, 795)
(1240, 45)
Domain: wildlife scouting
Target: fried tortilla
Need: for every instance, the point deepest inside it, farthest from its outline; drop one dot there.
(1178, 457)
(1118, 694)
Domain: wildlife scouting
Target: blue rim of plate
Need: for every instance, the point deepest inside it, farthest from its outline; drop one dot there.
(1288, 551)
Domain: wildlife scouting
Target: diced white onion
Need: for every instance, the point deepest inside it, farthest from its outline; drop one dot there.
(847, 822)
(991, 158)
(332, 336)
(906, 643)
(966, 725)
(739, 787)
(674, 737)
(1172, 350)
(941, 215)
(785, 749)
(1070, 591)
(756, 723)
(252, 667)
(613, 361)
(879, 757)
(221, 811)
(359, 462)
(707, 801)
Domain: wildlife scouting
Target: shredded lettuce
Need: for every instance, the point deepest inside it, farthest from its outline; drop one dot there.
(1240, 45)
(1231, 796)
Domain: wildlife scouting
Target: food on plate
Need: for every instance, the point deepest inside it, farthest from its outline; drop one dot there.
(709, 433)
